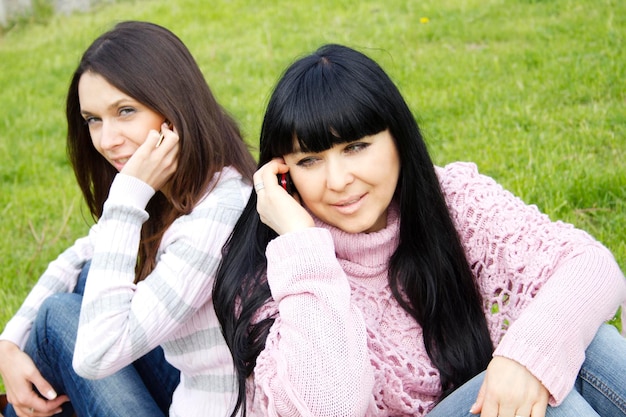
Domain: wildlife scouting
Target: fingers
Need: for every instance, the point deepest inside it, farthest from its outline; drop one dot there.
(510, 390)
(265, 178)
(538, 410)
(507, 409)
(19, 374)
(161, 136)
(44, 387)
(36, 406)
(36, 412)
(480, 399)
(164, 126)
(164, 140)
(156, 160)
(277, 209)
(166, 132)
(28, 402)
(266, 175)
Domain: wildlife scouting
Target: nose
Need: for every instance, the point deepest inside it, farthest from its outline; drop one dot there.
(109, 135)
(338, 174)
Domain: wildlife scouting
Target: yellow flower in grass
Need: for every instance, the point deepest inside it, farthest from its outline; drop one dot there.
(424, 20)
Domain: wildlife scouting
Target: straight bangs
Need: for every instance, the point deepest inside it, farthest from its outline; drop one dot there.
(323, 106)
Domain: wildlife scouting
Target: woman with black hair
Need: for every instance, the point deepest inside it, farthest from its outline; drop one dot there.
(373, 283)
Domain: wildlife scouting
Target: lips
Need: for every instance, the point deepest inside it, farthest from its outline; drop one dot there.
(119, 163)
(349, 205)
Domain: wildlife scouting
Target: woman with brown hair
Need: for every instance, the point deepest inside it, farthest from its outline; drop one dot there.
(165, 173)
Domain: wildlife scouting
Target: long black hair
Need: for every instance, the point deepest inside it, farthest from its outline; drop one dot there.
(335, 95)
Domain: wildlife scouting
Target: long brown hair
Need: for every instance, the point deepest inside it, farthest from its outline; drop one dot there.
(152, 65)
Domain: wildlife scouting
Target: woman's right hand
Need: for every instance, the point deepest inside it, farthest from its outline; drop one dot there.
(277, 209)
(156, 160)
(19, 374)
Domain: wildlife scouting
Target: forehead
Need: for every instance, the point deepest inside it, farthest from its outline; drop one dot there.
(96, 93)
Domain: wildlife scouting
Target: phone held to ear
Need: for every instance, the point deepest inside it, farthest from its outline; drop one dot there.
(284, 180)
(161, 134)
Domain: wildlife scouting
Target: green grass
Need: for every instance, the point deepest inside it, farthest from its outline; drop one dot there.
(534, 92)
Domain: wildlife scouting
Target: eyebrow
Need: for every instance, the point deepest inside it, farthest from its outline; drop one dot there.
(113, 105)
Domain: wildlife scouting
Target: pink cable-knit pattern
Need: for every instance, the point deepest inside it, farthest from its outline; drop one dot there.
(511, 247)
(357, 353)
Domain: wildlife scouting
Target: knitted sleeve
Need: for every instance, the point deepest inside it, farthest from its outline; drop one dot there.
(120, 321)
(60, 276)
(546, 286)
(315, 361)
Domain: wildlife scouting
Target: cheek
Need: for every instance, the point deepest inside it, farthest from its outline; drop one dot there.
(138, 133)
(381, 173)
(308, 196)
(310, 189)
(386, 169)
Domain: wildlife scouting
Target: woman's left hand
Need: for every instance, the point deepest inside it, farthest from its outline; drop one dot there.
(154, 164)
(510, 390)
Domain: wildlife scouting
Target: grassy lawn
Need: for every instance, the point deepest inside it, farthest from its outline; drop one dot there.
(533, 91)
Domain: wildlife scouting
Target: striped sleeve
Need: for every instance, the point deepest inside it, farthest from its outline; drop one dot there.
(60, 276)
(121, 321)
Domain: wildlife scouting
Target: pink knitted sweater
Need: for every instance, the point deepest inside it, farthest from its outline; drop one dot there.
(342, 346)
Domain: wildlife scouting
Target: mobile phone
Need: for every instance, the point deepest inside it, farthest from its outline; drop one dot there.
(284, 180)
(161, 134)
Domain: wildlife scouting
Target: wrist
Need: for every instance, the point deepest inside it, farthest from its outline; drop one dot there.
(7, 348)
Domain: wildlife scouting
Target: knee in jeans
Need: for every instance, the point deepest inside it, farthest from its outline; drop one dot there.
(54, 329)
(605, 340)
(56, 314)
(57, 307)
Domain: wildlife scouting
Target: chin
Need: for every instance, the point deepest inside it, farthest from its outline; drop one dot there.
(356, 228)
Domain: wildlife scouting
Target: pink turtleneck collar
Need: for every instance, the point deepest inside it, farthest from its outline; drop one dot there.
(370, 250)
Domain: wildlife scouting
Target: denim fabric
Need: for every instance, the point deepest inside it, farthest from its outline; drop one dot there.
(143, 388)
(602, 378)
(600, 389)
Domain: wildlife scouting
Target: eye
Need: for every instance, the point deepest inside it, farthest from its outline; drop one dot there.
(355, 147)
(125, 111)
(90, 120)
(307, 161)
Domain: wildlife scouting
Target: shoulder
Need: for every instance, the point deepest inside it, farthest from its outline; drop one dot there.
(455, 168)
(457, 175)
(462, 183)
(479, 205)
(212, 219)
(225, 199)
(228, 189)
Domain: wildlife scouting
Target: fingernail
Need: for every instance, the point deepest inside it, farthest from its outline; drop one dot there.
(51, 395)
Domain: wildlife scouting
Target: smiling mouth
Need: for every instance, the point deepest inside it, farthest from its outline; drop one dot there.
(119, 163)
(348, 203)
(350, 206)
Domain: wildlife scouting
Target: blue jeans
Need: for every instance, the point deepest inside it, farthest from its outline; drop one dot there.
(599, 390)
(143, 388)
